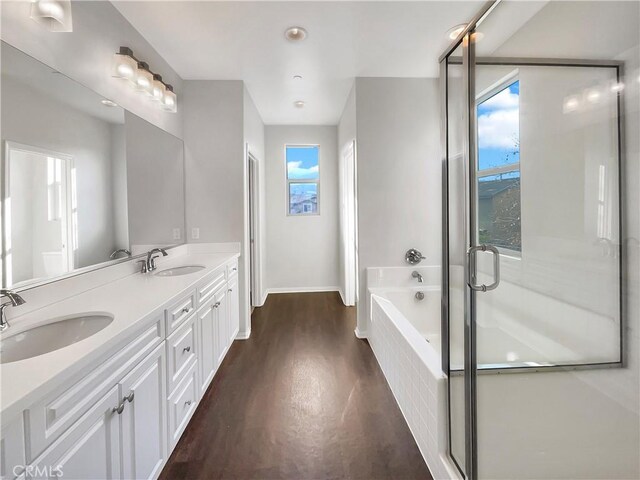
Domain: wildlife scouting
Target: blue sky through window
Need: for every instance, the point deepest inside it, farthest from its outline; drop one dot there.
(499, 129)
(302, 163)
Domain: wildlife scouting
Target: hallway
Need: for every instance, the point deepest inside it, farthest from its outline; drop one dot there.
(303, 398)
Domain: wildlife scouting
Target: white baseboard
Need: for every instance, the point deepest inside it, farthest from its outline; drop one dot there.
(301, 289)
(344, 302)
(243, 335)
(359, 333)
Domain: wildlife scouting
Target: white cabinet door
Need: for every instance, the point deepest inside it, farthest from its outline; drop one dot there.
(234, 309)
(208, 343)
(222, 321)
(12, 457)
(90, 449)
(144, 418)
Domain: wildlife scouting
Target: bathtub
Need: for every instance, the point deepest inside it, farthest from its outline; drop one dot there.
(404, 334)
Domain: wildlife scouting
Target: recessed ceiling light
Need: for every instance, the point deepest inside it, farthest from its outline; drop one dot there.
(295, 34)
(108, 103)
(455, 31)
(297, 77)
(299, 103)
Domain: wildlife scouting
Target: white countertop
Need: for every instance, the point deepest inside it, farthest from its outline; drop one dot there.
(134, 301)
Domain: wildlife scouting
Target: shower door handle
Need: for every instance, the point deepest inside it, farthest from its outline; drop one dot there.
(471, 263)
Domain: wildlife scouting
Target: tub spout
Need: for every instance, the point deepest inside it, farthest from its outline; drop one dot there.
(415, 274)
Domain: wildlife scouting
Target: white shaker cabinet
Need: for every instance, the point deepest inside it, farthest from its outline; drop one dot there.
(144, 433)
(90, 449)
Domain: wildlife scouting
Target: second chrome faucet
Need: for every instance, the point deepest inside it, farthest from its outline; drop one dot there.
(149, 265)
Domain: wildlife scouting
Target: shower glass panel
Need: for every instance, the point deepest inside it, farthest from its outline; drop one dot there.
(545, 175)
(542, 177)
(455, 242)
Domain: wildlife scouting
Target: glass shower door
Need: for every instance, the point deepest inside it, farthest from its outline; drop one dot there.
(545, 263)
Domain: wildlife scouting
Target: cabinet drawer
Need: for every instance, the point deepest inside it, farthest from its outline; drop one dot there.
(179, 311)
(53, 415)
(210, 286)
(232, 268)
(181, 404)
(181, 352)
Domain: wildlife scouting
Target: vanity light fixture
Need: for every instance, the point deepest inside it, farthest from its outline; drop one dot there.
(299, 104)
(108, 103)
(170, 101)
(144, 79)
(127, 66)
(295, 34)
(124, 65)
(159, 89)
(55, 15)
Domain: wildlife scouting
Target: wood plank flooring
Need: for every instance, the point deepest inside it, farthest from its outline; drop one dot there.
(303, 398)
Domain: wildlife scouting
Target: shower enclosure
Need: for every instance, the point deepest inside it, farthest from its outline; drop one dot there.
(540, 250)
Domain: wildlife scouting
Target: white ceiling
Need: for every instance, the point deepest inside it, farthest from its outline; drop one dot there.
(245, 41)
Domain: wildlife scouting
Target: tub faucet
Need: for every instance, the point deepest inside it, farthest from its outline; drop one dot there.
(415, 274)
(15, 300)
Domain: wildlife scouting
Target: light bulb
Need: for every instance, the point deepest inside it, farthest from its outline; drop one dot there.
(170, 100)
(158, 88)
(144, 79)
(124, 65)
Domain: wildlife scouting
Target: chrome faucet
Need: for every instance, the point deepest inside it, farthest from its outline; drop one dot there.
(417, 275)
(151, 259)
(15, 300)
(120, 250)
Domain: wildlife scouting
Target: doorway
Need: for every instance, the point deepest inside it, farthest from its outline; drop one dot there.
(39, 212)
(254, 230)
(349, 224)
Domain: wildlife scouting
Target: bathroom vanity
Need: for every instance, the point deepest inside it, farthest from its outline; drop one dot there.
(106, 351)
(114, 404)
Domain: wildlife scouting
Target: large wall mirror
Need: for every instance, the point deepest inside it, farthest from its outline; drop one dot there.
(84, 182)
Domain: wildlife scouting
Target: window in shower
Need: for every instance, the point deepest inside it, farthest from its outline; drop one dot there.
(303, 179)
(498, 111)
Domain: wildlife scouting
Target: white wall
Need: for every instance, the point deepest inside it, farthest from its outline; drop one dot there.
(254, 141)
(86, 54)
(346, 135)
(399, 174)
(302, 251)
(215, 169)
(155, 184)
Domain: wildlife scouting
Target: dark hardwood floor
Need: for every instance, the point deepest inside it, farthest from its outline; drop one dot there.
(303, 398)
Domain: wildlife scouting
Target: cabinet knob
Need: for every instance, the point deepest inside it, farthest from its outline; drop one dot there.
(186, 310)
(119, 409)
(187, 403)
(234, 269)
(186, 349)
(230, 290)
(215, 305)
(129, 398)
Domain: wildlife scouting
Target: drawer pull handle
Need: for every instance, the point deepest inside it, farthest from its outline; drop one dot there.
(187, 403)
(119, 409)
(129, 398)
(234, 269)
(230, 290)
(186, 349)
(186, 310)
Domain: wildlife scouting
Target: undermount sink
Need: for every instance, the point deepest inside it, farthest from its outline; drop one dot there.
(52, 336)
(176, 271)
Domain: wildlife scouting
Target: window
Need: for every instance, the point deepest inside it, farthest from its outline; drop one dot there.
(498, 175)
(303, 179)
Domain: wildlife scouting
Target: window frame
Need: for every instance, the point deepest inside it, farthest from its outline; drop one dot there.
(289, 181)
(491, 91)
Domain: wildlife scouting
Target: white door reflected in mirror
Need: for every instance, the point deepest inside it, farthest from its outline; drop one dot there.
(40, 213)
